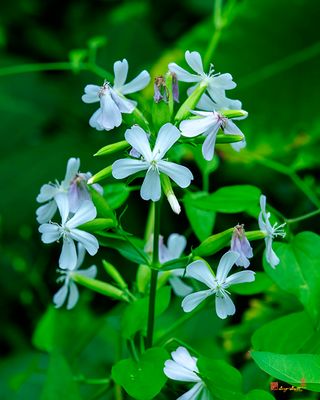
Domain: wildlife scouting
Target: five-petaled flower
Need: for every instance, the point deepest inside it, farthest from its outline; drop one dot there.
(113, 103)
(217, 84)
(183, 367)
(271, 232)
(52, 232)
(218, 284)
(241, 245)
(152, 161)
(69, 290)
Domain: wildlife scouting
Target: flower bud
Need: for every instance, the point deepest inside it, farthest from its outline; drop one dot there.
(99, 176)
(214, 243)
(112, 148)
(234, 113)
(191, 102)
(168, 191)
(114, 273)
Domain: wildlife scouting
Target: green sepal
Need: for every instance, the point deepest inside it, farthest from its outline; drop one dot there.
(191, 102)
(112, 148)
(234, 113)
(99, 176)
(214, 243)
(114, 274)
(98, 224)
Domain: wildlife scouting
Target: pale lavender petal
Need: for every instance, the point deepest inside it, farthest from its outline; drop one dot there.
(181, 175)
(72, 170)
(85, 213)
(94, 120)
(138, 83)
(46, 212)
(47, 192)
(176, 245)
(224, 306)
(182, 356)
(73, 295)
(120, 69)
(81, 254)
(139, 140)
(68, 256)
(223, 81)
(151, 186)
(195, 127)
(126, 166)
(180, 288)
(178, 372)
(226, 263)
(190, 302)
(60, 297)
(240, 277)
(90, 272)
(89, 241)
(271, 256)
(200, 271)
(125, 106)
(193, 393)
(209, 143)
(182, 74)
(167, 137)
(50, 233)
(232, 129)
(91, 94)
(110, 116)
(194, 60)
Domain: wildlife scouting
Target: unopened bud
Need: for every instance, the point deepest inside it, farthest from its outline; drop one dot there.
(99, 176)
(114, 273)
(168, 191)
(112, 148)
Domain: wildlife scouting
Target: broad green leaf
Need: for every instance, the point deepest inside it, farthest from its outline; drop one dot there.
(223, 380)
(195, 214)
(136, 314)
(258, 394)
(231, 199)
(298, 272)
(143, 379)
(261, 284)
(59, 383)
(131, 247)
(286, 335)
(116, 194)
(292, 368)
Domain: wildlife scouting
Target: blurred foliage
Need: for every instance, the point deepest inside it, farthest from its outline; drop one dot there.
(272, 50)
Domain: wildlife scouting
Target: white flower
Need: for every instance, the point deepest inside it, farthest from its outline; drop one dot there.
(175, 246)
(152, 161)
(183, 367)
(217, 83)
(112, 100)
(69, 288)
(271, 232)
(52, 232)
(74, 186)
(218, 284)
(208, 124)
(241, 245)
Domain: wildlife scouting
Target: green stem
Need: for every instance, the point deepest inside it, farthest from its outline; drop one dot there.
(302, 217)
(92, 381)
(154, 275)
(133, 350)
(205, 182)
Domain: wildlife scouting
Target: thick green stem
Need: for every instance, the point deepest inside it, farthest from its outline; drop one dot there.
(154, 275)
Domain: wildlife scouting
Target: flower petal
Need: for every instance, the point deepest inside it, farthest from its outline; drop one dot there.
(180, 288)
(224, 306)
(60, 297)
(125, 106)
(89, 241)
(151, 186)
(194, 127)
(85, 213)
(206, 103)
(209, 143)
(232, 129)
(193, 393)
(167, 137)
(68, 256)
(50, 232)
(226, 263)
(72, 170)
(46, 212)
(81, 255)
(200, 271)
(47, 192)
(223, 81)
(110, 116)
(138, 83)
(94, 120)
(120, 69)
(176, 245)
(190, 302)
(63, 206)
(90, 272)
(239, 145)
(73, 295)
(182, 74)
(240, 277)
(91, 94)
(178, 372)
(194, 60)
(138, 139)
(126, 166)
(271, 256)
(181, 175)
(182, 356)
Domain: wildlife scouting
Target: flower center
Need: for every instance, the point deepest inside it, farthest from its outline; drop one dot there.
(154, 166)
(104, 88)
(277, 230)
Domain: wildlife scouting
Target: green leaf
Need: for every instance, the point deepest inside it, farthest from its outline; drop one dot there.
(136, 314)
(195, 214)
(258, 394)
(223, 381)
(231, 199)
(102, 206)
(175, 264)
(144, 379)
(291, 368)
(116, 194)
(131, 247)
(298, 272)
(261, 284)
(59, 383)
(292, 333)
(98, 224)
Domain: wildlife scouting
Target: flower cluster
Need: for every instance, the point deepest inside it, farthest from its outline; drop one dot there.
(72, 199)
